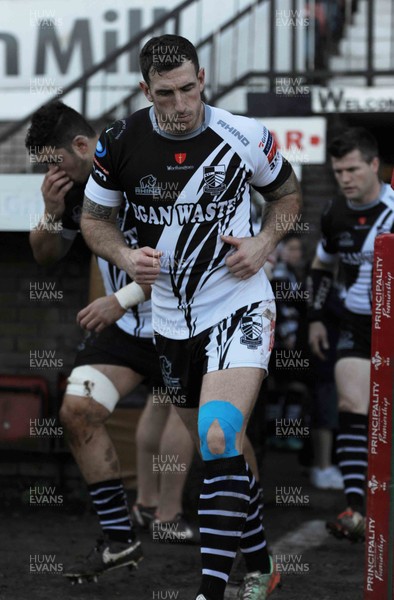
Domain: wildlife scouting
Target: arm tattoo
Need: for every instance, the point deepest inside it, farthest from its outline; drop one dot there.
(99, 211)
(290, 186)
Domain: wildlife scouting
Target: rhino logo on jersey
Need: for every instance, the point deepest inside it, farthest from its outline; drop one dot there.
(252, 329)
(214, 179)
(148, 186)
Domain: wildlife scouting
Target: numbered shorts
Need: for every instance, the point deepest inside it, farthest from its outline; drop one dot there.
(244, 339)
(113, 346)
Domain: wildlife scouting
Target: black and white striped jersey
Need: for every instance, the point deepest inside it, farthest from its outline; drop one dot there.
(182, 192)
(136, 321)
(349, 232)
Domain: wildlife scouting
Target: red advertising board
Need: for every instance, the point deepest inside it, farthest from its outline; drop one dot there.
(378, 583)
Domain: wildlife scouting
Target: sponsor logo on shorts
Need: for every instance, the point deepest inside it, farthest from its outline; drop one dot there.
(252, 329)
(166, 368)
(346, 341)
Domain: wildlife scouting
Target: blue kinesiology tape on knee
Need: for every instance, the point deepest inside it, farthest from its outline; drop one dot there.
(230, 420)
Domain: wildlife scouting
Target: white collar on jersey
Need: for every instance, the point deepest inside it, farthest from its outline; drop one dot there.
(170, 136)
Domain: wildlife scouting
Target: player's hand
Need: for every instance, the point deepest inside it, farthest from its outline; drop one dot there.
(55, 186)
(318, 339)
(143, 265)
(100, 313)
(249, 256)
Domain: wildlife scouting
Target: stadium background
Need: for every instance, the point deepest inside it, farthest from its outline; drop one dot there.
(275, 60)
(306, 69)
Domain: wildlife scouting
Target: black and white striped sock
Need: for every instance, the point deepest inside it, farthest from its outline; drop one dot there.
(352, 453)
(223, 508)
(253, 543)
(110, 503)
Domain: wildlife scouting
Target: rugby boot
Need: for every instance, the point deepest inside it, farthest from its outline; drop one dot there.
(142, 516)
(258, 586)
(176, 531)
(349, 524)
(105, 556)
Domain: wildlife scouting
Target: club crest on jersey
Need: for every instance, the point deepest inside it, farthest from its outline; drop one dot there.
(148, 186)
(180, 157)
(214, 179)
(252, 329)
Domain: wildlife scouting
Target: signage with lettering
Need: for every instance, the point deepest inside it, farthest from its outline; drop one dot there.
(301, 140)
(352, 99)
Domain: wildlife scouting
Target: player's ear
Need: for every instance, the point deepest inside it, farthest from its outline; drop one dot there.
(201, 78)
(145, 88)
(80, 145)
(375, 164)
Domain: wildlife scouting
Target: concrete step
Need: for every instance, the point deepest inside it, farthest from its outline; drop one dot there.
(382, 46)
(380, 30)
(381, 17)
(344, 63)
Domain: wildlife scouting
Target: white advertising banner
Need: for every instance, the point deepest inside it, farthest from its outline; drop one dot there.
(21, 203)
(46, 44)
(352, 99)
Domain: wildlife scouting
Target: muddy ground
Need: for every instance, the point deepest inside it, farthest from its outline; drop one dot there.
(325, 569)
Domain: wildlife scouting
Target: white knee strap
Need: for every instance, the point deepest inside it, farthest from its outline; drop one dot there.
(88, 382)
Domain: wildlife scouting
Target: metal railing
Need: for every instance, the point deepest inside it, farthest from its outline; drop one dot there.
(171, 22)
(262, 41)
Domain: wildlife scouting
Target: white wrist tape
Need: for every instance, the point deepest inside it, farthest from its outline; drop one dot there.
(130, 295)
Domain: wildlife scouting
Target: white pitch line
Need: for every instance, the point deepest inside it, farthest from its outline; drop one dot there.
(311, 534)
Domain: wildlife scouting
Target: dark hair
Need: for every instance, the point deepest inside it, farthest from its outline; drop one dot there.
(354, 138)
(56, 124)
(289, 237)
(165, 53)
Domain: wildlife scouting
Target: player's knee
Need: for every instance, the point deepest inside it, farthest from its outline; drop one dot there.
(348, 404)
(219, 422)
(73, 412)
(89, 393)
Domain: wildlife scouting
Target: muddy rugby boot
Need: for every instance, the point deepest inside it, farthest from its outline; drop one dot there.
(258, 586)
(105, 556)
(349, 524)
